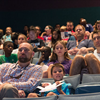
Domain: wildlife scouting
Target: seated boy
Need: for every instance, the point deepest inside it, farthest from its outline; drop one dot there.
(57, 72)
(8, 57)
(36, 43)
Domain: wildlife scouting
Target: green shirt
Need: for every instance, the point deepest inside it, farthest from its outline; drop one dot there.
(12, 59)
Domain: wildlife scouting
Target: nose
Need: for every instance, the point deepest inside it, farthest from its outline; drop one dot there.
(23, 51)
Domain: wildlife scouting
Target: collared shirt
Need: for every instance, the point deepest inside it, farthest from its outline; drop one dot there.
(30, 77)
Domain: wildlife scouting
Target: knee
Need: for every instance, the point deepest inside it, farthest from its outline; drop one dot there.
(50, 94)
(78, 58)
(31, 95)
(89, 57)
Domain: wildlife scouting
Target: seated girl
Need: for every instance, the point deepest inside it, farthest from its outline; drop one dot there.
(57, 72)
(60, 55)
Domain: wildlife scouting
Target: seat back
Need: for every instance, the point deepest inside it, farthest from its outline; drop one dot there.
(40, 98)
(88, 96)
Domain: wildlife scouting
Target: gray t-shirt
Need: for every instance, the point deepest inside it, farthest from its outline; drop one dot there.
(85, 43)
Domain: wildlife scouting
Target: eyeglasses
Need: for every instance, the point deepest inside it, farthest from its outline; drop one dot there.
(98, 37)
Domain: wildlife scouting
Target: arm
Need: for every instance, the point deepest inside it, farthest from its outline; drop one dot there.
(34, 75)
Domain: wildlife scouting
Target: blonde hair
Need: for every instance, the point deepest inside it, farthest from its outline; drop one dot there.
(23, 36)
(54, 56)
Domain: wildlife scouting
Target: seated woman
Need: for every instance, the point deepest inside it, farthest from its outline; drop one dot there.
(59, 55)
(48, 33)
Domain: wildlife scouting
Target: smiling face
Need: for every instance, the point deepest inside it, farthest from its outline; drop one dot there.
(25, 52)
(57, 73)
(47, 30)
(59, 50)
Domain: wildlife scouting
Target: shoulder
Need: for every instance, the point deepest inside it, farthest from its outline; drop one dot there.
(35, 67)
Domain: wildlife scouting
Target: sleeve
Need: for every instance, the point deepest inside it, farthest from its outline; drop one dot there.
(32, 82)
(90, 44)
(42, 43)
(90, 28)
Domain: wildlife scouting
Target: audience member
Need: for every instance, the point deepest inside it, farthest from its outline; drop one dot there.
(56, 35)
(1, 39)
(48, 33)
(8, 57)
(36, 43)
(88, 27)
(57, 72)
(57, 26)
(59, 55)
(80, 45)
(91, 62)
(97, 25)
(21, 39)
(15, 78)
(38, 32)
(44, 59)
(14, 38)
(7, 36)
(25, 31)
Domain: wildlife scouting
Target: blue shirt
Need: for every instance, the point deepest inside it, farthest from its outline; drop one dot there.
(64, 88)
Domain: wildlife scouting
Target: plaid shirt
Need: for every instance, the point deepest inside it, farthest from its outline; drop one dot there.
(29, 77)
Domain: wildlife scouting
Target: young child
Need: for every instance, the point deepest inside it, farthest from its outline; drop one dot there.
(8, 57)
(36, 43)
(59, 55)
(57, 72)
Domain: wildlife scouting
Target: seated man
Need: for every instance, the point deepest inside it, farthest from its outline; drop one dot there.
(44, 59)
(8, 57)
(15, 78)
(91, 62)
(80, 46)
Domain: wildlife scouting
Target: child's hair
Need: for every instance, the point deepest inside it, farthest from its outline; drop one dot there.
(57, 65)
(53, 41)
(5, 43)
(23, 36)
(14, 36)
(32, 28)
(54, 56)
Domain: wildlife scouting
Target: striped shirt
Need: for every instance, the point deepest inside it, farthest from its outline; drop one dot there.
(29, 77)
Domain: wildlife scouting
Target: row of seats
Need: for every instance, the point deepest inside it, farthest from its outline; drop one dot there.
(89, 96)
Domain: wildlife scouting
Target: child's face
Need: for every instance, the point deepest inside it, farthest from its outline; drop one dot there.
(32, 35)
(8, 48)
(55, 35)
(47, 30)
(21, 39)
(57, 73)
(59, 50)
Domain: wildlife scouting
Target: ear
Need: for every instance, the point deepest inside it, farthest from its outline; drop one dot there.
(33, 53)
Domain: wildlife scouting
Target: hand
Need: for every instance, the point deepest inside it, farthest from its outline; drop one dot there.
(45, 84)
(21, 94)
(73, 51)
(59, 87)
(83, 50)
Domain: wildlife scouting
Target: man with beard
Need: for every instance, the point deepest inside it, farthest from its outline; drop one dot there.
(91, 62)
(21, 76)
(80, 46)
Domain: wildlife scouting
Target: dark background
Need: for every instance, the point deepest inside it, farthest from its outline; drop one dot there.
(17, 13)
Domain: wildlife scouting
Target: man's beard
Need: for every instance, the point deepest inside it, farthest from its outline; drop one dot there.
(24, 60)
